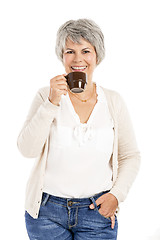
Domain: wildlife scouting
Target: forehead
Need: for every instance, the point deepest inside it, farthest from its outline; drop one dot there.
(83, 44)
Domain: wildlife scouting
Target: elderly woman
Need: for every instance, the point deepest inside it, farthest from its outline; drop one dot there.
(87, 156)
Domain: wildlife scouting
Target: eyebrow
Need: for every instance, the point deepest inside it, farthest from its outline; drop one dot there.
(86, 48)
(73, 49)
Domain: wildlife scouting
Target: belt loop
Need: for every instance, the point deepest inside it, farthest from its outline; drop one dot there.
(94, 202)
(45, 199)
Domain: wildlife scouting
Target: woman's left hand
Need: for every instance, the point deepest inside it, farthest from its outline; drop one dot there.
(109, 204)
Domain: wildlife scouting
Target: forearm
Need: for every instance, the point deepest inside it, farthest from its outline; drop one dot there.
(36, 130)
(127, 172)
(128, 154)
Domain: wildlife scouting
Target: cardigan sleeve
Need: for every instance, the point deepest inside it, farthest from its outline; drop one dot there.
(37, 125)
(128, 152)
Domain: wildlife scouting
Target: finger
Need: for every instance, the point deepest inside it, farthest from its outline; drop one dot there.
(61, 82)
(62, 87)
(61, 91)
(59, 85)
(59, 77)
(108, 213)
(64, 92)
(98, 202)
(91, 206)
(50, 92)
(105, 212)
(112, 221)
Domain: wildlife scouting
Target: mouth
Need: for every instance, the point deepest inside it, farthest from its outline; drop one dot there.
(78, 68)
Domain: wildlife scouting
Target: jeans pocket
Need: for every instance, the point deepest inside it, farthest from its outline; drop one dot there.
(96, 208)
(45, 199)
(108, 219)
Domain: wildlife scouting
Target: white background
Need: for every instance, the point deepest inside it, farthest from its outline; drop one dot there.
(131, 67)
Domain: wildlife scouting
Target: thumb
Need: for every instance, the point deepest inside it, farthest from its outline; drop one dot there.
(98, 202)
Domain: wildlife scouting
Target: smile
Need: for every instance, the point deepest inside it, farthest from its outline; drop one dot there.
(79, 68)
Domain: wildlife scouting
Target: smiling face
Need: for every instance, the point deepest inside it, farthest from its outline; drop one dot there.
(79, 57)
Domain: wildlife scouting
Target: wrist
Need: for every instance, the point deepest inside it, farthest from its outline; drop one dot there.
(57, 104)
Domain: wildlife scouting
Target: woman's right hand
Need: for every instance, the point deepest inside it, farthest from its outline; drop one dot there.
(58, 86)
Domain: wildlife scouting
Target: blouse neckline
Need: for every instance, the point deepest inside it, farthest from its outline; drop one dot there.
(75, 115)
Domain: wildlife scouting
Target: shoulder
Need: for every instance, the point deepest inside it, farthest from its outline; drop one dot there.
(115, 102)
(112, 96)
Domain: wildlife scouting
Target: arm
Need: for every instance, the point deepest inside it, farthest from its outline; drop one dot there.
(42, 113)
(128, 153)
(128, 163)
(37, 126)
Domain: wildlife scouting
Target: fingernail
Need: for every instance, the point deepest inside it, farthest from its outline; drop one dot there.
(91, 206)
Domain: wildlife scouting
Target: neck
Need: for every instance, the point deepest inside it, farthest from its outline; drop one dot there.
(87, 92)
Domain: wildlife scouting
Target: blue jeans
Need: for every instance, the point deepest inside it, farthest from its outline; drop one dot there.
(68, 219)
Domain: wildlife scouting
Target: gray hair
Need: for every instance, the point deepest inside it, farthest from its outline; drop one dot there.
(77, 29)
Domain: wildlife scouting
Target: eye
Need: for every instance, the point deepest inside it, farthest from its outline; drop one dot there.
(70, 52)
(86, 51)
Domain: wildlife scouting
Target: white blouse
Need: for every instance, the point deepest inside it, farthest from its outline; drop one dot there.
(78, 163)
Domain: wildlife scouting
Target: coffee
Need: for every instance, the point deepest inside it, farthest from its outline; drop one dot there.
(77, 81)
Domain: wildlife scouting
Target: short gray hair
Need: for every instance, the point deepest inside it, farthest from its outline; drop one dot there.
(77, 29)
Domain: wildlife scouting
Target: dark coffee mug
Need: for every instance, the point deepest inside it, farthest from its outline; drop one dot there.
(77, 81)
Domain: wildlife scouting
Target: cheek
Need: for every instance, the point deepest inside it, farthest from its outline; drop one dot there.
(66, 60)
(91, 60)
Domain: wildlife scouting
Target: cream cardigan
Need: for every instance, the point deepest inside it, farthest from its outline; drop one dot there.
(33, 143)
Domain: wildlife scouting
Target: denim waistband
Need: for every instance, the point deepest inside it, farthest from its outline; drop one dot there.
(74, 202)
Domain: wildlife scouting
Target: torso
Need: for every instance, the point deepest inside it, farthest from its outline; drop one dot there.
(73, 145)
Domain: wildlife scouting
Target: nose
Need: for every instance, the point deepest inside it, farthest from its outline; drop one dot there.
(77, 57)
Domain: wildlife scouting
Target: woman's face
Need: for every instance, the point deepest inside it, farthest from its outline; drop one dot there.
(79, 57)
